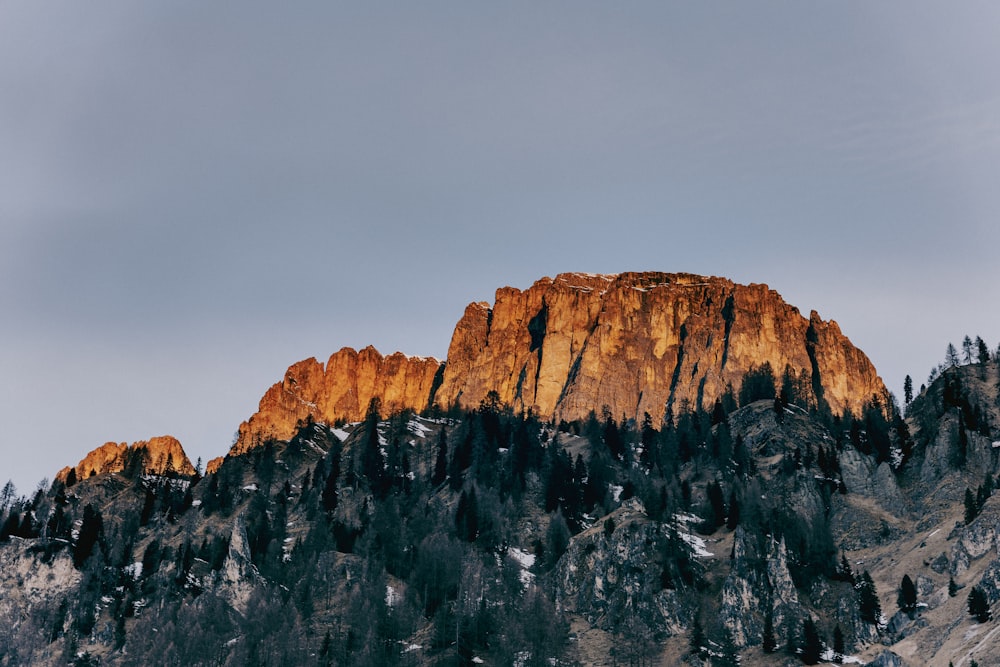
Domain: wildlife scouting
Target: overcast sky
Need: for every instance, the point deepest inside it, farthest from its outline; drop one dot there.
(195, 195)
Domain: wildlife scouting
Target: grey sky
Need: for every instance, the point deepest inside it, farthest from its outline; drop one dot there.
(193, 196)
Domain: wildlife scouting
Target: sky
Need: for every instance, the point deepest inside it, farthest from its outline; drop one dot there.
(193, 196)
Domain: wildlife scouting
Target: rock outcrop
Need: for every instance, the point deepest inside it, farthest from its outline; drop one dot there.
(341, 390)
(633, 343)
(636, 342)
(159, 456)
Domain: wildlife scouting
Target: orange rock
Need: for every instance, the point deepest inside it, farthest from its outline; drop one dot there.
(161, 454)
(636, 342)
(633, 343)
(340, 391)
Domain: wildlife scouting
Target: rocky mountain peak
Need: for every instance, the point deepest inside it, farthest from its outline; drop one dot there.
(160, 455)
(637, 342)
(632, 343)
(339, 391)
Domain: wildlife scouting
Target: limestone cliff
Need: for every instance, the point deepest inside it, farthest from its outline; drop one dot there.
(341, 390)
(160, 455)
(633, 343)
(636, 342)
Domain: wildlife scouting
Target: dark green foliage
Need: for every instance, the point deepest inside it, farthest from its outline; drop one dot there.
(758, 384)
(952, 587)
(733, 518)
(556, 538)
(440, 473)
(768, 641)
(812, 645)
(699, 643)
(869, 608)
(838, 644)
(467, 516)
(971, 507)
(716, 504)
(982, 351)
(330, 480)
(613, 439)
(907, 597)
(979, 605)
(91, 532)
(907, 390)
(372, 461)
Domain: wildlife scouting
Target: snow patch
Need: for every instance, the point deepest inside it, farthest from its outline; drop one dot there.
(697, 545)
(340, 434)
(390, 596)
(418, 429)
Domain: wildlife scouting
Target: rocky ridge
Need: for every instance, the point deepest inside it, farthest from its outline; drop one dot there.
(633, 343)
(339, 391)
(159, 455)
(637, 342)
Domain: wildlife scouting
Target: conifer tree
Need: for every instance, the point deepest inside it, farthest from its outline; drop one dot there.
(869, 608)
(768, 642)
(979, 605)
(441, 460)
(838, 644)
(812, 645)
(971, 507)
(908, 390)
(91, 531)
(330, 494)
(982, 351)
(907, 597)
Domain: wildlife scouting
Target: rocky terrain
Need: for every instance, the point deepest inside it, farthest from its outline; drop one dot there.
(630, 344)
(156, 456)
(644, 469)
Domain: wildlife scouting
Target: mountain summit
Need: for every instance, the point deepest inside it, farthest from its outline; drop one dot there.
(633, 343)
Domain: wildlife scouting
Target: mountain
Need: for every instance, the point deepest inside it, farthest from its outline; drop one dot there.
(339, 391)
(465, 517)
(637, 342)
(632, 344)
(156, 456)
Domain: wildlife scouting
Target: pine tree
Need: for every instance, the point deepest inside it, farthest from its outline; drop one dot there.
(907, 597)
(952, 587)
(467, 516)
(812, 645)
(330, 494)
(768, 642)
(908, 390)
(733, 518)
(979, 605)
(372, 460)
(869, 608)
(982, 351)
(441, 460)
(950, 356)
(91, 531)
(699, 645)
(838, 644)
(971, 507)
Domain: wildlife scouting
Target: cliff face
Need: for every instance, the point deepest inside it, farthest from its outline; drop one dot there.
(341, 390)
(636, 342)
(633, 342)
(159, 454)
